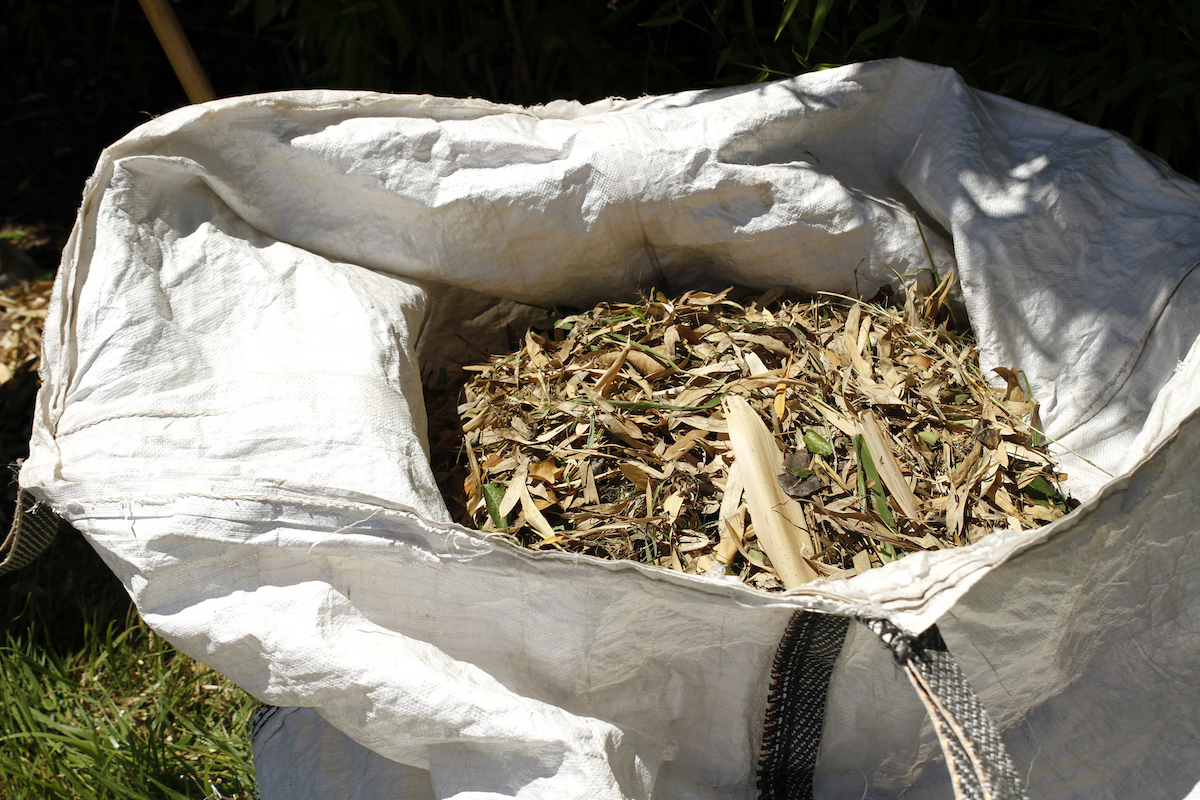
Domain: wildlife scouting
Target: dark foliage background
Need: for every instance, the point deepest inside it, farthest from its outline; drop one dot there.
(79, 73)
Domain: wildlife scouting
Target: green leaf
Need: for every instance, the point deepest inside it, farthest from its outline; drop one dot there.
(788, 10)
(493, 495)
(928, 437)
(870, 484)
(879, 27)
(14, 236)
(1035, 436)
(1040, 491)
(1180, 91)
(888, 552)
(818, 23)
(818, 444)
(651, 551)
(723, 59)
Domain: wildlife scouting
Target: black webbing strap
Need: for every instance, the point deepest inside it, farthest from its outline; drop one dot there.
(796, 705)
(33, 527)
(261, 717)
(980, 767)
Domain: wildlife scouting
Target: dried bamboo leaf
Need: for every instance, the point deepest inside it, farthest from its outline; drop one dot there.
(516, 488)
(686, 443)
(778, 520)
(534, 516)
(730, 517)
(621, 406)
(636, 474)
(885, 461)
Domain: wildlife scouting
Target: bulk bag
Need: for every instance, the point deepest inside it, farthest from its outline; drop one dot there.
(231, 413)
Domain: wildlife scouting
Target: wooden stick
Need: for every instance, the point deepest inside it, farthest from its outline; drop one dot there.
(173, 40)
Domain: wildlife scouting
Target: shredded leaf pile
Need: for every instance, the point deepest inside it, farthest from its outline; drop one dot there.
(22, 314)
(606, 434)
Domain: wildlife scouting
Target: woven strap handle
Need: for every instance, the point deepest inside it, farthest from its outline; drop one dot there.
(980, 767)
(33, 527)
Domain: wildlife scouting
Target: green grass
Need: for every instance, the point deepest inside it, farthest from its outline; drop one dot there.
(94, 705)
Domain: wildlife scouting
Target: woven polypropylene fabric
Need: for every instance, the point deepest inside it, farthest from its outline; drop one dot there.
(796, 705)
(33, 527)
(261, 717)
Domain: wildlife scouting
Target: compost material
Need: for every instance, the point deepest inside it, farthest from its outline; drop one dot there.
(608, 434)
(22, 314)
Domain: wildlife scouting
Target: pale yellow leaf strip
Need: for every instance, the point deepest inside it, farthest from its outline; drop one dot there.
(778, 520)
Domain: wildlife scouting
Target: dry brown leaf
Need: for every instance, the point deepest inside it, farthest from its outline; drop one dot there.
(546, 471)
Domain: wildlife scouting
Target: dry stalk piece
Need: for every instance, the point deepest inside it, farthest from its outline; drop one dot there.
(775, 438)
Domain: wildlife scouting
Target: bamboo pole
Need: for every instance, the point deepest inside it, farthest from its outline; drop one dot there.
(183, 59)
